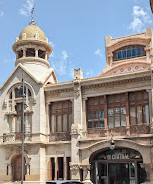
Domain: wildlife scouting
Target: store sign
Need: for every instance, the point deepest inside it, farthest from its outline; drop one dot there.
(119, 154)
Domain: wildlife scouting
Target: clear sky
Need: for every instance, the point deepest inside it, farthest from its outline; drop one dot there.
(76, 30)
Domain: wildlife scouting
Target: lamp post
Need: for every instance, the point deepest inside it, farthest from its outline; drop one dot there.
(112, 143)
(23, 104)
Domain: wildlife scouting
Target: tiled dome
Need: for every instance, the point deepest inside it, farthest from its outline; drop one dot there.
(31, 32)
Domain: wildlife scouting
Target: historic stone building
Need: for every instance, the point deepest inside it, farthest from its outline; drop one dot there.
(95, 130)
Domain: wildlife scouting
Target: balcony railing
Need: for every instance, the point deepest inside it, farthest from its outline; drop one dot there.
(16, 136)
(120, 131)
(60, 136)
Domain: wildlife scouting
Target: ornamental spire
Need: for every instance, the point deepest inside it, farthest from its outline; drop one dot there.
(32, 22)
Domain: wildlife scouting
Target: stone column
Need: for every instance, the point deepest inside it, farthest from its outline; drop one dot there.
(86, 174)
(36, 52)
(65, 168)
(56, 167)
(75, 171)
(24, 52)
(84, 121)
(46, 56)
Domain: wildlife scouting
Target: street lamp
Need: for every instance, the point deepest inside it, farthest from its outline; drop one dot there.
(22, 94)
(112, 143)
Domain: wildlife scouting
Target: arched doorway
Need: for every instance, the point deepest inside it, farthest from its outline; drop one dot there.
(17, 168)
(120, 166)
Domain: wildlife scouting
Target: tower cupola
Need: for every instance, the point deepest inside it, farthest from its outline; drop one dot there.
(32, 47)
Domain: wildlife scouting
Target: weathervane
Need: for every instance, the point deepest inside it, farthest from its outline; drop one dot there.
(32, 22)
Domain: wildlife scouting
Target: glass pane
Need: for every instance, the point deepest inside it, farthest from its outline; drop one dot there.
(101, 125)
(95, 115)
(59, 125)
(117, 98)
(64, 122)
(123, 98)
(131, 96)
(70, 121)
(89, 115)
(101, 100)
(65, 104)
(139, 95)
(90, 101)
(53, 124)
(139, 114)
(138, 52)
(70, 105)
(132, 116)
(119, 55)
(128, 53)
(124, 53)
(123, 116)
(101, 114)
(96, 124)
(19, 124)
(145, 95)
(96, 101)
(110, 99)
(59, 105)
(146, 114)
(89, 124)
(133, 52)
(117, 117)
(110, 117)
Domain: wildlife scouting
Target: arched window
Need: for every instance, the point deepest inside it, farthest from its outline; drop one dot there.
(128, 52)
(41, 54)
(20, 53)
(30, 52)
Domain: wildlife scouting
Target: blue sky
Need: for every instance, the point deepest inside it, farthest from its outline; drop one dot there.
(76, 30)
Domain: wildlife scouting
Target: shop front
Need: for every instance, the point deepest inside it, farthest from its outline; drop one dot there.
(118, 166)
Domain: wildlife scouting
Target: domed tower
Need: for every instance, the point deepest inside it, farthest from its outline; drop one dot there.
(32, 50)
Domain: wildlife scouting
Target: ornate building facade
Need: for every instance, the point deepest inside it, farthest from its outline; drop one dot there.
(70, 126)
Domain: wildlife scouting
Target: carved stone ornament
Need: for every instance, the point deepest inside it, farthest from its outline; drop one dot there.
(74, 167)
(74, 129)
(77, 88)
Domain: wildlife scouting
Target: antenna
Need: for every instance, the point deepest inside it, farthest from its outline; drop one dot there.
(32, 22)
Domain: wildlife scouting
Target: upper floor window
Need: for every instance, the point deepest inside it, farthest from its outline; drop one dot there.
(20, 53)
(61, 116)
(41, 54)
(30, 52)
(95, 111)
(139, 107)
(128, 52)
(19, 92)
(116, 110)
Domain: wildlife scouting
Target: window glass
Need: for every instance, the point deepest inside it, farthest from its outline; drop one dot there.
(132, 115)
(146, 114)
(123, 116)
(133, 52)
(53, 124)
(64, 122)
(59, 127)
(110, 118)
(128, 53)
(124, 54)
(138, 52)
(70, 121)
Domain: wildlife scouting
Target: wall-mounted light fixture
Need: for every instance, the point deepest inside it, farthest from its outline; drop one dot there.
(112, 143)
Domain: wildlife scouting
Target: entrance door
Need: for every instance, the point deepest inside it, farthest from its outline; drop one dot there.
(116, 173)
(17, 168)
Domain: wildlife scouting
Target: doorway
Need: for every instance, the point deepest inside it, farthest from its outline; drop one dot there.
(17, 168)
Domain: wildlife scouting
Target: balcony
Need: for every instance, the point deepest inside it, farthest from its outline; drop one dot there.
(16, 136)
(120, 131)
(60, 136)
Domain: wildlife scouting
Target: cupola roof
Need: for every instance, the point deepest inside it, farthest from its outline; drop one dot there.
(32, 32)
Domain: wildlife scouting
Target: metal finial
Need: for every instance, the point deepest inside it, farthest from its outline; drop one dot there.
(32, 22)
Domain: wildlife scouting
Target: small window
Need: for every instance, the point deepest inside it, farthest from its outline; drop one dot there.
(10, 97)
(30, 52)
(20, 54)
(41, 54)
